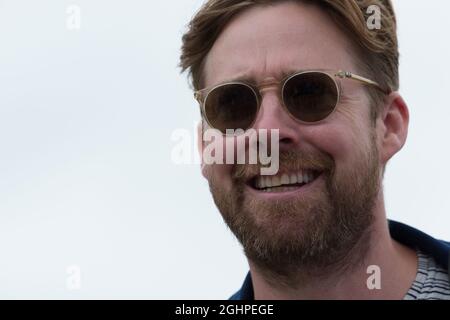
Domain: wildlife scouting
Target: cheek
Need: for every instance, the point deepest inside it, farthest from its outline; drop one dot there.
(343, 142)
(349, 129)
(219, 157)
(214, 167)
(218, 175)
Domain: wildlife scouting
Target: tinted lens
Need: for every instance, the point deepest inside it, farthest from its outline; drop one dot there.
(231, 106)
(310, 96)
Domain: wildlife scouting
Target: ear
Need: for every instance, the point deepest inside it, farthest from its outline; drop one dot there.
(392, 126)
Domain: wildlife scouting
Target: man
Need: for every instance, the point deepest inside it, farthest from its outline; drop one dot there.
(314, 71)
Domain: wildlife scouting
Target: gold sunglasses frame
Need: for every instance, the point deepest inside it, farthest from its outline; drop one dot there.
(202, 95)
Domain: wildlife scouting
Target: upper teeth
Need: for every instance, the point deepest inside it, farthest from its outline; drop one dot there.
(302, 176)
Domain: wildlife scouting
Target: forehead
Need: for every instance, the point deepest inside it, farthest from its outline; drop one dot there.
(271, 41)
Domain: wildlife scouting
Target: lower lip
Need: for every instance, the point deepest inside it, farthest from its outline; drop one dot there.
(284, 194)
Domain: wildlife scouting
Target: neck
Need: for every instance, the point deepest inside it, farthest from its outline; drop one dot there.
(395, 270)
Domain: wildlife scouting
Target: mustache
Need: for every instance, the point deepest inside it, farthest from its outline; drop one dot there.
(289, 160)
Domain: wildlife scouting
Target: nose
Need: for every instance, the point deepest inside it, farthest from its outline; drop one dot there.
(272, 115)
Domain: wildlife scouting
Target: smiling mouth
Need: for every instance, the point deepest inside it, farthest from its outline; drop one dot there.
(284, 182)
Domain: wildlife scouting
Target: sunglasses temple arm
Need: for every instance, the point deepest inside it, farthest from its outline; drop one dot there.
(349, 75)
(197, 96)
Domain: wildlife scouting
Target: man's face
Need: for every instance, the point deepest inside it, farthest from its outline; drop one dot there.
(315, 225)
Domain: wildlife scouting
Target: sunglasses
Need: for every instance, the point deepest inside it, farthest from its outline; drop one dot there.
(308, 96)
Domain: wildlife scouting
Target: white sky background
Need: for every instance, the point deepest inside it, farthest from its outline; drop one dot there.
(86, 177)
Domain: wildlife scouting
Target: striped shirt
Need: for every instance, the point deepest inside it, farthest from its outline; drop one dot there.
(432, 281)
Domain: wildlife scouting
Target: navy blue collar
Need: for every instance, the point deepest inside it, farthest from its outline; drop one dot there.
(413, 238)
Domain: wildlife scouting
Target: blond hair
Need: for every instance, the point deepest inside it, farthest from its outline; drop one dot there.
(376, 50)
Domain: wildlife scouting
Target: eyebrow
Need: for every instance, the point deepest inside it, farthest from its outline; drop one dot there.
(250, 78)
(241, 78)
